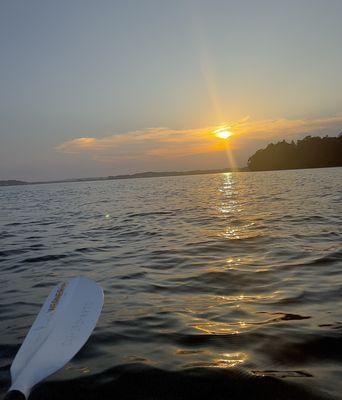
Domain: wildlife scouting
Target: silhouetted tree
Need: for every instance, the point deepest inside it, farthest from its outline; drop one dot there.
(310, 152)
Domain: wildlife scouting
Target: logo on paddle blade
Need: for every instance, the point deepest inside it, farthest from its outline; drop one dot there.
(57, 297)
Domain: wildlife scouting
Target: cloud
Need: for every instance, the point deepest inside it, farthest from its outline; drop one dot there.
(273, 129)
(153, 142)
(168, 143)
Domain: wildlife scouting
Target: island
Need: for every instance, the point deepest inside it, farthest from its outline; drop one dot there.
(310, 152)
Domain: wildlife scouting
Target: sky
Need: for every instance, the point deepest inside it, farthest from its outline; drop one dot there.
(97, 88)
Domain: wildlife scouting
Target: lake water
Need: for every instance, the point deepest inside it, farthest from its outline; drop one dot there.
(238, 271)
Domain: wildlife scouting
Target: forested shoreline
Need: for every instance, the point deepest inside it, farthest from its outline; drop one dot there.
(310, 152)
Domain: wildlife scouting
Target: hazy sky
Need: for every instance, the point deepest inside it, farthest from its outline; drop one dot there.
(92, 88)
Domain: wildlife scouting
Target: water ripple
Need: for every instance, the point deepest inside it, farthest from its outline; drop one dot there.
(215, 286)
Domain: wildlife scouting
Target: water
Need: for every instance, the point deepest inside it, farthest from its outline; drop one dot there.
(236, 271)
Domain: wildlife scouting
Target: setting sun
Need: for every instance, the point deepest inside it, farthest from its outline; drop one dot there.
(223, 133)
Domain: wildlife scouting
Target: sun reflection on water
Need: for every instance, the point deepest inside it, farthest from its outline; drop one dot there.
(232, 208)
(209, 359)
(234, 326)
(226, 315)
(216, 328)
(229, 360)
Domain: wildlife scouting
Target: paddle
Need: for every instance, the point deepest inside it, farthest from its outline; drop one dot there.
(61, 328)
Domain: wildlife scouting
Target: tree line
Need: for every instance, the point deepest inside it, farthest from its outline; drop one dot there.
(310, 152)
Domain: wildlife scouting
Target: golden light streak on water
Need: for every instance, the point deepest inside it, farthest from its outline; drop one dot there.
(229, 360)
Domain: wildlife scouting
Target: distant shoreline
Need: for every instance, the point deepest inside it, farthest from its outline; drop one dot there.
(310, 152)
(138, 175)
(127, 176)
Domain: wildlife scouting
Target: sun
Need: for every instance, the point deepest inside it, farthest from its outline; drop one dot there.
(223, 133)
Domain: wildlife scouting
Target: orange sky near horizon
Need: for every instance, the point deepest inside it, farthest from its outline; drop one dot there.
(170, 144)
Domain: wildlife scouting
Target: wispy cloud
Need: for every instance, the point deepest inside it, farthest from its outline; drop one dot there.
(172, 143)
(153, 142)
(273, 129)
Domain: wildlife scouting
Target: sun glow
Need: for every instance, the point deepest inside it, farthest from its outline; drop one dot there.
(223, 133)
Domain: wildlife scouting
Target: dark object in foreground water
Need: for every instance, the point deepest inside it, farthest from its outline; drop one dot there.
(14, 395)
(141, 382)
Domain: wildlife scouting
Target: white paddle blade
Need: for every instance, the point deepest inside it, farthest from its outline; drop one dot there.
(61, 328)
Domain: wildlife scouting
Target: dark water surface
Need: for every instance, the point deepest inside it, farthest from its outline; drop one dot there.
(225, 286)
